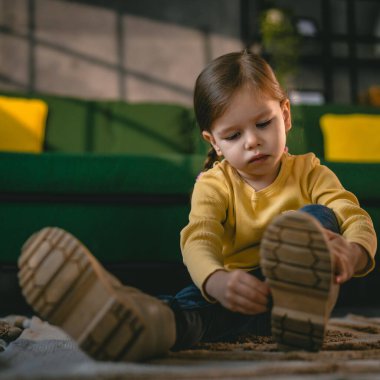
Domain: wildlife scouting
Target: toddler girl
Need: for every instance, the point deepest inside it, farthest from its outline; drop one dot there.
(256, 211)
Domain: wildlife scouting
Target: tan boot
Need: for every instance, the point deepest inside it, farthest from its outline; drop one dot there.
(66, 285)
(295, 258)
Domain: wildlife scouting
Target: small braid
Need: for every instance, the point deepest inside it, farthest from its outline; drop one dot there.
(212, 156)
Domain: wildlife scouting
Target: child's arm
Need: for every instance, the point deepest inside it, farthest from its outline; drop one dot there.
(238, 291)
(358, 240)
(349, 258)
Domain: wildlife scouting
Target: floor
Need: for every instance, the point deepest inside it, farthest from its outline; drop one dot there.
(351, 351)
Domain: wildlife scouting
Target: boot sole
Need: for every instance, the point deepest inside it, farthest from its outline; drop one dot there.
(295, 258)
(67, 286)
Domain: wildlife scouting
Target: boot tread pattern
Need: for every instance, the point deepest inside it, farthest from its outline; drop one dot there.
(39, 269)
(104, 342)
(59, 282)
(295, 254)
(295, 258)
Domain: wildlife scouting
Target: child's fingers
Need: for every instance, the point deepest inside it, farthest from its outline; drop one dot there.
(343, 269)
(245, 299)
(247, 306)
(330, 235)
(339, 271)
(254, 283)
(328, 232)
(245, 293)
(248, 292)
(262, 287)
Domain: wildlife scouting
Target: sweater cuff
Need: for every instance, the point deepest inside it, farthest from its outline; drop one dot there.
(370, 258)
(203, 288)
(200, 277)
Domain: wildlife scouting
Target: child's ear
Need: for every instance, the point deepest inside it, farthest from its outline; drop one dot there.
(285, 106)
(210, 139)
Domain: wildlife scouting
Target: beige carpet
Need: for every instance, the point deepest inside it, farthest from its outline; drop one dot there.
(351, 351)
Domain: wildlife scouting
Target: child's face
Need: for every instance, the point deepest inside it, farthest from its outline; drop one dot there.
(251, 135)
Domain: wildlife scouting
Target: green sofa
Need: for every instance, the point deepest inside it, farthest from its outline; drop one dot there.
(119, 177)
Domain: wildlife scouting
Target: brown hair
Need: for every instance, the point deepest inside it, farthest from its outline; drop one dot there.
(219, 81)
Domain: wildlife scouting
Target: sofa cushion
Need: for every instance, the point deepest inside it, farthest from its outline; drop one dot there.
(351, 138)
(308, 118)
(22, 124)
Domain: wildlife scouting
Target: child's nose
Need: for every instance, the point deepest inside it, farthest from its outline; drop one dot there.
(251, 140)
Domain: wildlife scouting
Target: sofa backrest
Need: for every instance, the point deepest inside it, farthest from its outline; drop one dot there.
(118, 127)
(88, 126)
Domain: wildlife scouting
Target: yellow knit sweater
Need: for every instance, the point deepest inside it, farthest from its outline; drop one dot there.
(228, 217)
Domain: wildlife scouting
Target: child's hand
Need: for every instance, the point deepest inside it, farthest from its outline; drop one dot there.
(239, 291)
(349, 258)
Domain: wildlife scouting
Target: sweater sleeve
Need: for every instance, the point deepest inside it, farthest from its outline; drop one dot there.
(355, 223)
(201, 239)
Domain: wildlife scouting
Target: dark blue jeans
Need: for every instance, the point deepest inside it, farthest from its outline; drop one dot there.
(197, 320)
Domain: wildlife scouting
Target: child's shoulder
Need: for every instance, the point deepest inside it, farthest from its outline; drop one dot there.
(220, 171)
(307, 160)
(213, 183)
(303, 164)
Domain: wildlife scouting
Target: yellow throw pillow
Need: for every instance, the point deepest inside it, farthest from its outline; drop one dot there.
(22, 124)
(351, 138)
